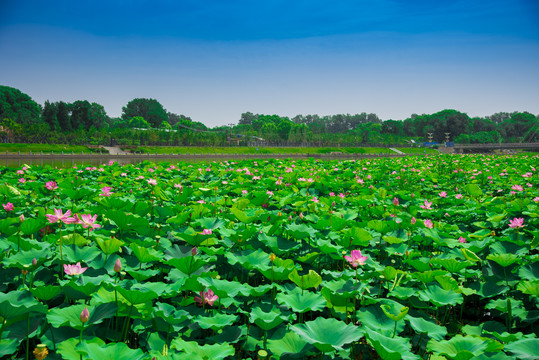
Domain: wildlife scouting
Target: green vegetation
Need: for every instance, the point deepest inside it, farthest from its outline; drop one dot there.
(46, 148)
(387, 258)
(145, 122)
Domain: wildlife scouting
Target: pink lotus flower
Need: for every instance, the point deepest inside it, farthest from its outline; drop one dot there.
(106, 191)
(458, 196)
(428, 224)
(413, 220)
(152, 181)
(462, 240)
(74, 269)
(516, 223)
(85, 315)
(315, 199)
(427, 205)
(206, 297)
(395, 201)
(517, 187)
(332, 194)
(8, 207)
(51, 185)
(443, 194)
(356, 258)
(88, 221)
(60, 217)
(341, 195)
(206, 232)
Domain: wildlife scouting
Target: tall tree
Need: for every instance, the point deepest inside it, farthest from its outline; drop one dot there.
(50, 115)
(18, 106)
(150, 109)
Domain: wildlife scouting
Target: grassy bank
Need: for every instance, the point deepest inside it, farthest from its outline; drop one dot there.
(254, 150)
(46, 148)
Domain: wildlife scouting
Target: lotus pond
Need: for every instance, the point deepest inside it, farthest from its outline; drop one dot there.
(407, 258)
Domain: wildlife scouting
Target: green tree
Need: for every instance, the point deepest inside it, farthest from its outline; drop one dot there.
(150, 109)
(50, 115)
(63, 115)
(18, 106)
(138, 122)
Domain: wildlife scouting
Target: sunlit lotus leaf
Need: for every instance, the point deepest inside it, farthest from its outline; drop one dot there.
(260, 290)
(78, 290)
(390, 348)
(216, 351)
(473, 190)
(161, 193)
(137, 296)
(170, 314)
(23, 259)
(374, 317)
(241, 216)
(459, 347)
(338, 223)
(428, 276)
(328, 334)
(74, 239)
(402, 292)
(113, 351)
(68, 347)
(225, 288)
(390, 313)
(109, 246)
(503, 305)
(9, 191)
(9, 226)
(144, 254)
(30, 226)
(422, 326)
(447, 282)
(209, 223)
(529, 272)
(357, 236)
(300, 231)
(452, 265)
(378, 225)
(421, 264)
(141, 275)
(116, 203)
(187, 265)
(523, 349)
(266, 316)
(312, 279)
(280, 270)
(45, 293)
(250, 259)
(504, 260)
(298, 302)
(439, 296)
(70, 316)
(278, 244)
(74, 254)
(215, 322)
(529, 287)
(284, 342)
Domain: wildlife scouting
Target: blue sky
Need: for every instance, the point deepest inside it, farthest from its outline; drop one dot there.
(213, 60)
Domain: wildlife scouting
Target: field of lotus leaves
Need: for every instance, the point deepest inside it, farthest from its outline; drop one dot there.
(407, 258)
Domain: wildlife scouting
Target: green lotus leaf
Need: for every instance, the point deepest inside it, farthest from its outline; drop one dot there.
(214, 352)
(453, 265)
(8, 346)
(503, 305)
(74, 254)
(458, 347)
(144, 254)
(474, 190)
(284, 342)
(187, 265)
(250, 259)
(523, 349)
(447, 283)
(399, 316)
(427, 277)
(422, 326)
(209, 223)
(529, 287)
(504, 260)
(179, 219)
(356, 236)
(266, 316)
(373, 317)
(299, 302)
(68, 347)
(470, 255)
(241, 216)
(138, 296)
(421, 264)
(225, 288)
(529, 272)
(141, 275)
(339, 302)
(30, 225)
(9, 226)
(77, 290)
(401, 292)
(19, 302)
(113, 351)
(328, 334)
(488, 289)
(216, 322)
(74, 239)
(170, 314)
(312, 279)
(45, 293)
(439, 296)
(23, 259)
(109, 246)
(70, 316)
(390, 348)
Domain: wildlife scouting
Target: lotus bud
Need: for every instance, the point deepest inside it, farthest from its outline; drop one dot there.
(194, 251)
(21, 218)
(41, 352)
(272, 257)
(117, 266)
(84, 315)
(34, 262)
(301, 215)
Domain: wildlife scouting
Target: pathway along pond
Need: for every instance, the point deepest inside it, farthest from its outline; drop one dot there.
(70, 160)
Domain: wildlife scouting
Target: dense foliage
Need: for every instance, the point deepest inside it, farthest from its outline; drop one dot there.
(146, 122)
(387, 258)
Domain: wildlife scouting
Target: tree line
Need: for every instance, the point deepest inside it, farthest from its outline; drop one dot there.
(147, 122)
